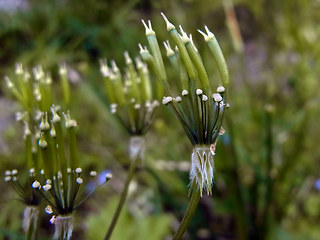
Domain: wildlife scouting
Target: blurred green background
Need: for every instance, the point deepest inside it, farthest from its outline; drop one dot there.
(267, 163)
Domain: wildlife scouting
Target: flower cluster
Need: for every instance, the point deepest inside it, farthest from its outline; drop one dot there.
(33, 90)
(61, 182)
(198, 107)
(130, 94)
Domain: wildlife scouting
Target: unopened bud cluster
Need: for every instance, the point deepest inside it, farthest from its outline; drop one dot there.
(130, 94)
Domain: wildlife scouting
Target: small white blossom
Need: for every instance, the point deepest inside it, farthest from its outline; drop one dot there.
(204, 98)
(7, 178)
(48, 210)
(108, 176)
(36, 184)
(221, 89)
(184, 93)
(166, 100)
(79, 180)
(46, 187)
(178, 99)
(199, 91)
(217, 97)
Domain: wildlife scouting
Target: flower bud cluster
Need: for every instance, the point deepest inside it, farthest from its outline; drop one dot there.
(130, 93)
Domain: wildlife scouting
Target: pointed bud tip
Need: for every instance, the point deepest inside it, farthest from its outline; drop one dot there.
(149, 30)
(170, 26)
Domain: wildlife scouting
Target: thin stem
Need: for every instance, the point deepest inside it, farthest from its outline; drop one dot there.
(195, 197)
(123, 198)
(269, 181)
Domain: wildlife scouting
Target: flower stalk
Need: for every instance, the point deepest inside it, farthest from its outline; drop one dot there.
(136, 152)
(193, 203)
(132, 101)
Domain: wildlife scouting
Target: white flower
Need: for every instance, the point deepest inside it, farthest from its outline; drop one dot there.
(36, 184)
(79, 180)
(48, 210)
(166, 100)
(221, 89)
(217, 97)
(108, 176)
(184, 93)
(7, 178)
(199, 91)
(178, 99)
(46, 187)
(204, 98)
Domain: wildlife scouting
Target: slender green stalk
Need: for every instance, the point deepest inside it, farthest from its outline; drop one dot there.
(123, 197)
(269, 181)
(195, 197)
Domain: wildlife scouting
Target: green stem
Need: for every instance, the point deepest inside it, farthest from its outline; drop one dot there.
(195, 197)
(123, 197)
(265, 218)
